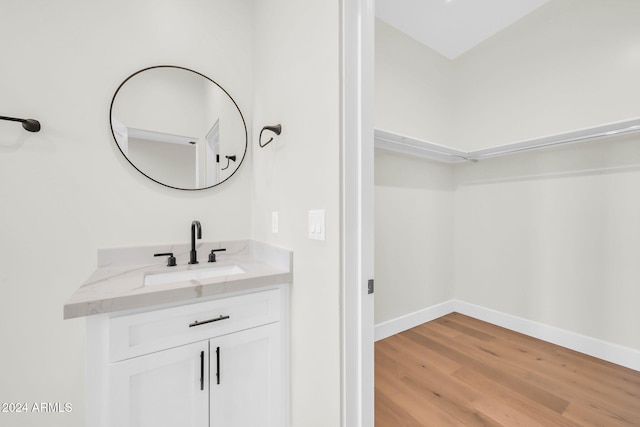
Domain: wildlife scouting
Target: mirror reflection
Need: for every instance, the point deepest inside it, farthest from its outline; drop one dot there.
(178, 127)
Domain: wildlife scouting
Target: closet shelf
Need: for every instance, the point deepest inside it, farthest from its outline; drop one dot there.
(403, 144)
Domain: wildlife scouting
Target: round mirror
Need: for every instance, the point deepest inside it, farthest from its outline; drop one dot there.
(178, 127)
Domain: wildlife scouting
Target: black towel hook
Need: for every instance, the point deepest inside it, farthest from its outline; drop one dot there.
(28, 124)
(229, 160)
(277, 129)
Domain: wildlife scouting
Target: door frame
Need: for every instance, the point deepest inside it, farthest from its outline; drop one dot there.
(358, 22)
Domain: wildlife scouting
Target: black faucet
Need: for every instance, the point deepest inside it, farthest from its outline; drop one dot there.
(193, 256)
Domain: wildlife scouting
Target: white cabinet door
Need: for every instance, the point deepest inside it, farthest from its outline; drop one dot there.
(169, 388)
(246, 379)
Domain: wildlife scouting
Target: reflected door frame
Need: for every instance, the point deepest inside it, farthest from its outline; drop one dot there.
(212, 151)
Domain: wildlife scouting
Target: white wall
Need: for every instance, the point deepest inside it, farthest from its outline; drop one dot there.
(570, 64)
(548, 236)
(297, 82)
(66, 191)
(553, 237)
(413, 227)
(413, 87)
(414, 234)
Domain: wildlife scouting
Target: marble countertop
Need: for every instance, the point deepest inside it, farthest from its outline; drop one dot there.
(118, 282)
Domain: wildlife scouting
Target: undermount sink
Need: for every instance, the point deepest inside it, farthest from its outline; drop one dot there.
(195, 274)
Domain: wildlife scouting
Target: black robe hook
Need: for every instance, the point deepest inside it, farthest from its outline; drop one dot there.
(277, 129)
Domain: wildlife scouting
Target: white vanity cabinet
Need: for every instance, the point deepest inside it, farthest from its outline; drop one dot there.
(220, 362)
(160, 389)
(245, 372)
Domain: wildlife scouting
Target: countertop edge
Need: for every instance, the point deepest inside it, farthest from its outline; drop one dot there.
(169, 296)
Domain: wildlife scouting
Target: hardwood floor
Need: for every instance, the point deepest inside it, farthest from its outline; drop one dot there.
(457, 370)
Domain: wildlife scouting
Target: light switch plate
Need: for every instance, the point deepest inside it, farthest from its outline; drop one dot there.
(274, 222)
(316, 224)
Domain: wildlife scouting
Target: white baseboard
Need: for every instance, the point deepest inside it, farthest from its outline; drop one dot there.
(400, 324)
(604, 350)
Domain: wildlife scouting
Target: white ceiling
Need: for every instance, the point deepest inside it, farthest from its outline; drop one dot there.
(451, 27)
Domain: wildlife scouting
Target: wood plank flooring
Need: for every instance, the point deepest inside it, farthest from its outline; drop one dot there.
(457, 371)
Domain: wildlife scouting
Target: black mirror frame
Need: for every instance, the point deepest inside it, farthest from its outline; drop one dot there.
(244, 124)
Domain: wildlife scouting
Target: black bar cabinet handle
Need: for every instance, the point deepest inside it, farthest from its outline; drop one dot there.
(204, 322)
(218, 365)
(202, 370)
